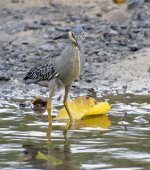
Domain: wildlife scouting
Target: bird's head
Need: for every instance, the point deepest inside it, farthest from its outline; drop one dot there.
(76, 35)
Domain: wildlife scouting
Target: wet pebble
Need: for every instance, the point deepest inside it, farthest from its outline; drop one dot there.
(141, 16)
(59, 36)
(133, 47)
(4, 78)
(147, 33)
(133, 4)
(31, 27)
(65, 29)
(14, 1)
(18, 17)
(45, 22)
(25, 42)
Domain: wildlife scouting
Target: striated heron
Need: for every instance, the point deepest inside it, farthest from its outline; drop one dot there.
(60, 69)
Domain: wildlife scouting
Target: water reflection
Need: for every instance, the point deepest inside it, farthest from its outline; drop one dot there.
(27, 142)
(49, 155)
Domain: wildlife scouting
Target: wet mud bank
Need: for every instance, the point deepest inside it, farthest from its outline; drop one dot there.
(117, 43)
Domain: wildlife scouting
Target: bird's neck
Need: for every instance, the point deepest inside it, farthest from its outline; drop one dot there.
(76, 46)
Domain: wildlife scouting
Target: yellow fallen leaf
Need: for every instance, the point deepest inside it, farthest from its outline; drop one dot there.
(101, 121)
(78, 107)
(99, 109)
(41, 156)
(84, 106)
(54, 161)
(96, 121)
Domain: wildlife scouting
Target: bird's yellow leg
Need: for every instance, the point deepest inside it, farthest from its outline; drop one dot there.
(66, 104)
(49, 110)
(67, 109)
(49, 130)
(65, 134)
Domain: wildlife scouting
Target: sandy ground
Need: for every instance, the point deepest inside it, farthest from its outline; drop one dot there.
(133, 74)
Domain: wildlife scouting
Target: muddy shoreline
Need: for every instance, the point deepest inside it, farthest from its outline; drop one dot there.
(117, 42)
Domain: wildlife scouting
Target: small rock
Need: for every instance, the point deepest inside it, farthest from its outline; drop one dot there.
(141, 16)
(18, 17)
(90, 27)
(4, 78)
(14, 1)
(44, 22)
(31, 27)
(24, 42)
(147, 33)
(88, 81)
(62, 28)
(133, 4)
(123, 26)
(59, 36)
(113, 32)
(86, 18)
(133, 47)
(115, 27)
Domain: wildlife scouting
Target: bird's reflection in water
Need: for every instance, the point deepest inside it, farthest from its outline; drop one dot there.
(50, 154)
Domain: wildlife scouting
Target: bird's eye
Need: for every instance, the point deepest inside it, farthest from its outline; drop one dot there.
(73, 35)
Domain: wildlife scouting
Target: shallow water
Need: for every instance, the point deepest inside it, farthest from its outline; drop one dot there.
(26, 141)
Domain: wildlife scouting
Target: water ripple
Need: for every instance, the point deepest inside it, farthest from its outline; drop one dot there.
(25, 136)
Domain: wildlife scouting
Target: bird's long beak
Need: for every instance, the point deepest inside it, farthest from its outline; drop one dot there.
(79, 43)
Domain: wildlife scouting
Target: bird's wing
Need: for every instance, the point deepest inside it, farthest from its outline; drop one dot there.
(49, 58)
(43, 70)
